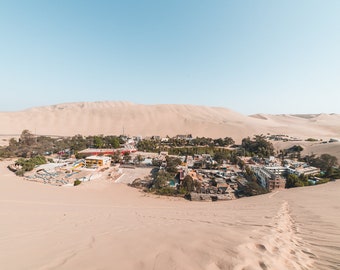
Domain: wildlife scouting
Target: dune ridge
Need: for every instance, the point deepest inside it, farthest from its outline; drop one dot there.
(109, 117)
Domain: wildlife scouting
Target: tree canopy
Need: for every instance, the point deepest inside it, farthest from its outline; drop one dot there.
(258, 146)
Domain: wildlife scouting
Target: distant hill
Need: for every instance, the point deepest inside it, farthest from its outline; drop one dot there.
(91, 118)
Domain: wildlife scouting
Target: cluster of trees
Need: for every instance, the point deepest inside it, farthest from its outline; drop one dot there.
(200, 141)
(30, 145)
(162, 178)
(150, 145)
(252, 187)
(325, 162)
(291, 152)
(28, 164)
(198, 145)
(293, 180)
(258, 146)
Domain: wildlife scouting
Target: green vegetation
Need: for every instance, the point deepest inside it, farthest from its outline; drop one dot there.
(302, 180)
(335, 174)
(30, 145)
(296, 181)
(163, 177)
(327, 163)
(223, 154)
(259, 146)
(311, 140)
(77, 182)
(172, 163)
(167, 191)
(29, 164)
(253, 189)
(189, 185)
(126, 157)
(292, 152)
(161, 180)
(329, 171)
(177, 146)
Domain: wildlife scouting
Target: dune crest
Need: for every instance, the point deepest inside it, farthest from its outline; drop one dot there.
(108, 117)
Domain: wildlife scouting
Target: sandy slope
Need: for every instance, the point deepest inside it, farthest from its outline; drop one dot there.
(102, 225)
(146, 120)
(309, 148)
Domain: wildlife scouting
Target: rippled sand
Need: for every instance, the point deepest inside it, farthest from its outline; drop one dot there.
(102, 225)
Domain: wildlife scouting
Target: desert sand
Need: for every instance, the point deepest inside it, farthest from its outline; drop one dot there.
(104, 225)
(93, 118)
(107, 225)
(310, 148)
(115, 118)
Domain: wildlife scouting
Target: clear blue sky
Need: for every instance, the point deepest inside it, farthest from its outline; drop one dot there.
(249, 56)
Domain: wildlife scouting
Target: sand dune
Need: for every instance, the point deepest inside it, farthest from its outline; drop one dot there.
(135, 119)
(102, 225)
(309, 148)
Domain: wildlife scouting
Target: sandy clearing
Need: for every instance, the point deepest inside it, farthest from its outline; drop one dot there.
(102, 225)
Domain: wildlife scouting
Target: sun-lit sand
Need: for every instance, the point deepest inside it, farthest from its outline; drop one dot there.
(103, 225)
(94, 118)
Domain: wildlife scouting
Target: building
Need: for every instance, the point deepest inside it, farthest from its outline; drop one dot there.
(269, 179)
(277, 183)
(305, 170)
(94, 162)
(102, 152)
(277, 170)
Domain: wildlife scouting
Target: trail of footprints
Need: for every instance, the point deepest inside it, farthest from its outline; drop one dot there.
(279, 248)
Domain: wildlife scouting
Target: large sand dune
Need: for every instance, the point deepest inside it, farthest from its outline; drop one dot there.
(103, 225)
(134, 119)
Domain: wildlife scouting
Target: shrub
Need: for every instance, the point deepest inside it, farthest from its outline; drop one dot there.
(311, 140)
(167, 191)
(253, 189)
(29, 164)
(77, 182)
(322, 181)
(20, 172)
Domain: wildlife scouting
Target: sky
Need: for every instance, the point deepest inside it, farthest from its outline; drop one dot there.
(249, 56)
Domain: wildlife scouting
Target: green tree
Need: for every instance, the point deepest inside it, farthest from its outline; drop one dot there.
(161, 180)
(98, 141)
(249, 174)
(126, 157)
(172, 163)
(116, 157)
(27, 138)
(189, 184)
(253, 189)
(294, 181)
(29, 164)
(325, 162)
(220, 156)
(113, 141)
(258, 146)
(228, 141)
(139, 159)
